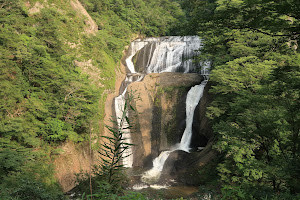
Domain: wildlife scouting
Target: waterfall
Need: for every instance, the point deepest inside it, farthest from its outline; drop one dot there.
(134, 48)
(193, 97)
(152, 175)
(164, 54)
(120, 102)
(155, 55)
(192, 100)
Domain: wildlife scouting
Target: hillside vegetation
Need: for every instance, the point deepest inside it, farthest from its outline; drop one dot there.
(57, 65)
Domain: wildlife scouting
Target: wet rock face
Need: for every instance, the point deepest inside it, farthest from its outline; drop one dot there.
(201, 123)
(184, 167)
(159, 120)
(166, 54)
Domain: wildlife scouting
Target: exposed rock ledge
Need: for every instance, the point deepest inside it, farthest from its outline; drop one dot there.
(74, 159)
(160, 123)
(160, 118)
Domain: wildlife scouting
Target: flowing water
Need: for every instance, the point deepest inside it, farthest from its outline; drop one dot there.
(119, 106)
(156, 55)
(192, 100)
(193, 97)
(165, 54)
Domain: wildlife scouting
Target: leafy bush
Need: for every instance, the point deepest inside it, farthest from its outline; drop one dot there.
(25, 174)
(26, 188)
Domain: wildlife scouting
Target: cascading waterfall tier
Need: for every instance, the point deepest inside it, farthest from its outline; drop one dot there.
(164, 54)
(156, 55)
(193, 97)
(192, 100)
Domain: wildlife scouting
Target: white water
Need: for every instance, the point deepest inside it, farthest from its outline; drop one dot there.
(172, 54)
(193, 97)
(119, 106)
(167, 54)
(134, 48)
(192, 100)
(154, 186)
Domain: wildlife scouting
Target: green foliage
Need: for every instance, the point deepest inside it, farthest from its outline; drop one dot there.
(46, 98)
(25, 174)
(53, 99)
(208, 180)
(120, 17)
(35, 65)
(255, 112)
(55, 129)
(28, 188)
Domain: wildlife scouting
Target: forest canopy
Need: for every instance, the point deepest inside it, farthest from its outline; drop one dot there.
(253, 46)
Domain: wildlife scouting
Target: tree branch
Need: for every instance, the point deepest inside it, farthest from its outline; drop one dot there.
(274, 35)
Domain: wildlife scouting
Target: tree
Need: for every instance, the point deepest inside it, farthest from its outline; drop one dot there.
(253, 46)
(114, 147)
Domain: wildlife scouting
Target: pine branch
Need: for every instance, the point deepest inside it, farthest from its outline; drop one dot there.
(273, 35)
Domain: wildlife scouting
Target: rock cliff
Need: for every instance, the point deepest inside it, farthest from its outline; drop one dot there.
(159, 120)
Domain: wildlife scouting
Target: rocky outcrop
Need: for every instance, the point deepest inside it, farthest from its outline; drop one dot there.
(91, 26)
(159, 121)
(36, 8)
(73, 159)
(92, 71)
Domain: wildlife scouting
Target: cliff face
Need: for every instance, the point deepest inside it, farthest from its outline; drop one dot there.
(185, 166)
(159, 120)
(74, 159)
(69, 29)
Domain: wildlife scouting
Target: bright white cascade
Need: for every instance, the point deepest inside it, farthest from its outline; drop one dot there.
(169, 54)
(134, 48)
(193, 97)
(192, 100)
(166, 54)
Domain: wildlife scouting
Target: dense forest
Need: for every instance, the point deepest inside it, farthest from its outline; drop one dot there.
(255, 114)
(57, 66)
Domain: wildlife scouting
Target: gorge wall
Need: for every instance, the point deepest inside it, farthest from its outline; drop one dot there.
(160, 117)
(159, 120)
